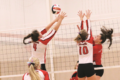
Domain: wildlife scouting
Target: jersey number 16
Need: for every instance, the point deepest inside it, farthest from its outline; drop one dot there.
(83, 50)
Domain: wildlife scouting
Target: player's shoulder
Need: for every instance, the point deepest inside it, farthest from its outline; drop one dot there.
(74, 74)
(90, 40)
(25, 76)
(43, 71)
(98, 46)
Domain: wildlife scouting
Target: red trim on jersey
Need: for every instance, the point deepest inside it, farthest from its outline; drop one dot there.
(74, 76)
(23, 76)
(89, 27)
(90, 39)
(43, 31)
(45, 56)
(47, 38)
(81, 25)
(97, 53)
(45, 74)
(87, 24)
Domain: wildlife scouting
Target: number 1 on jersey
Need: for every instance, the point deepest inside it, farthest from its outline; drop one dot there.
(83, 50)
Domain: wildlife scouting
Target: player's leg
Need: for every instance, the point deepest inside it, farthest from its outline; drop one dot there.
(98, 77)
(80, 70)
(93, 77)
(99, 73)
(90, 72)
(84, 78)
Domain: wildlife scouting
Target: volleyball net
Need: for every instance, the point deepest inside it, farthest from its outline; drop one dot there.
(62, 53)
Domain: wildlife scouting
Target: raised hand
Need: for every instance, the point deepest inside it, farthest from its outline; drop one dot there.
(81, 15)
(57, 18)
(88, 14)
(62, 15)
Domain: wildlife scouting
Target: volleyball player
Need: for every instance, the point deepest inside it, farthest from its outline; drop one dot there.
(97, 49)
(40, 43)
(85, 44)
(34, 71)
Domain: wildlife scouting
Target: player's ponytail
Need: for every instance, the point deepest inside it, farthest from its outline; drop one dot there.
(106, 34)
(109, 36)
(81, 36)
(33, 64)
(34, 36)
(28, 36)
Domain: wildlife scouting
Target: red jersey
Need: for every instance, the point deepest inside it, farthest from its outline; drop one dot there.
(74, 76)
(97, 54)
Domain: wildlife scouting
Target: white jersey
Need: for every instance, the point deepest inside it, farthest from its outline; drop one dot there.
(86, 47)
(40, 47)
(43, 75)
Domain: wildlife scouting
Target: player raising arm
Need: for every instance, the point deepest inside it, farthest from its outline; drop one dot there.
(98, 50)
(85, 47)
(40, 43)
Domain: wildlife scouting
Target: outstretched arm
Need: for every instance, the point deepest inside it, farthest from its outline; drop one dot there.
(50, 24)
(61, 17)
(88, 14)
(81, 15)
(47, 38)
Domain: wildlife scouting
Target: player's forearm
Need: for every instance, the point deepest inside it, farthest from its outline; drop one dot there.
(50, 25)
(81, 25)
(88, 29)
(88, 26)
(57, 25)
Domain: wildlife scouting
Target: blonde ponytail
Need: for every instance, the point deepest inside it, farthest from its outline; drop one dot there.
(33, 64)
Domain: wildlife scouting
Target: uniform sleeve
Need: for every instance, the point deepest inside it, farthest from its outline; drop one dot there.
(89, 29)
(43, 31)
(46, 75)
(81, 25)
(47, 38)
(23, 78)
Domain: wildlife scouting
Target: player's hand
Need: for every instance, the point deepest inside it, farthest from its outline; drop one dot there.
(62, 15)
(57, 18)
(81, 15)
(88, 14)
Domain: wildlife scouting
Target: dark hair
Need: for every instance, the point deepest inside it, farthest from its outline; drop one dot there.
(106, 34)
(34, 36)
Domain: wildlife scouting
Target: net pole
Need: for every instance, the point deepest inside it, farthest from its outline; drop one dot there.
(49, 18)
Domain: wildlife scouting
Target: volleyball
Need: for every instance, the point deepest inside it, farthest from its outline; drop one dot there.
(56, 9)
